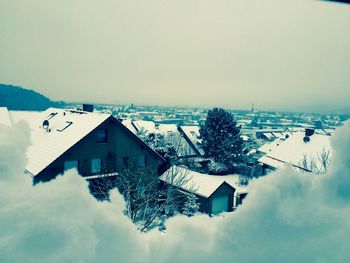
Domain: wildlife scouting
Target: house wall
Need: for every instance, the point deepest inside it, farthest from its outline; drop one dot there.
(119, 144)
(223, 190)
(205, 204)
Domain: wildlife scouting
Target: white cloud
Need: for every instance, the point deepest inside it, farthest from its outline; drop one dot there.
(287, 217)
(57, 221)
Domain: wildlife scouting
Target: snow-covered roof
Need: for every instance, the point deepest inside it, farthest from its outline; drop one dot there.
(148, 126)
(128, 124)
(294, 149)
(5, 117)
(200, 184)
(245, 138)
(30, 117)
(170, 132)
(192, 133)
(66, 128)
(152, 127)
(271, 162)
(268, 147)
(234, 181)
(167, 128)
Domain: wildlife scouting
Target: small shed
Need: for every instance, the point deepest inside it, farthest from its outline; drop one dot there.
(214, 195)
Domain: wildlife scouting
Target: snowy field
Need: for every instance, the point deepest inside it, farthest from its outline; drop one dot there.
(288, 217)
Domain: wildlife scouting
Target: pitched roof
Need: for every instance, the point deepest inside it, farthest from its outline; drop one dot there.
(148, 126)
(152, 127)
(294, 149)
(65, 129)
(30, 117)
(135, 137)
(200, 184)
(169, 131)
(128, 123)
(192, 136)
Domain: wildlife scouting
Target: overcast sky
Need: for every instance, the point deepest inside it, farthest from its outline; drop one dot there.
(226, 53)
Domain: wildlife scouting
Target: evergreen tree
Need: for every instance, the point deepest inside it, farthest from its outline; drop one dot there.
(221, 137)
(191, 206)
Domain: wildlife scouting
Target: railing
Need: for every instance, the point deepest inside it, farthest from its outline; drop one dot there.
(96, 176)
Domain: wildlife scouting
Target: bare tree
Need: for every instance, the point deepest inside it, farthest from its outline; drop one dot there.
(148, 201)
(318, 164)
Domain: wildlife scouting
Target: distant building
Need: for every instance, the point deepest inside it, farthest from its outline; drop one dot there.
(171, 133)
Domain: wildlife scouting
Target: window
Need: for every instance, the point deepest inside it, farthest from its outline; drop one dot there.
(70, 165)
(65, 126)
(96, 165)
(142, 161)
(102, 136)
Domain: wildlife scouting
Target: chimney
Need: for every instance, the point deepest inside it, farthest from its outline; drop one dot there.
(309, 132)
(88, 107)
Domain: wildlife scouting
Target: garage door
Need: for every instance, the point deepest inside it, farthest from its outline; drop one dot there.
(219, 204)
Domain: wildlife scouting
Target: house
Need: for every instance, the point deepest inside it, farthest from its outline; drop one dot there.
(192, 136)
(241, 190)
(96, 144)
(272, 134)
(214, 194)
(169, 131)
(301, 149)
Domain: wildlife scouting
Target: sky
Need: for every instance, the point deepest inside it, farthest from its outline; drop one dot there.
(286, 217)
(228, 53)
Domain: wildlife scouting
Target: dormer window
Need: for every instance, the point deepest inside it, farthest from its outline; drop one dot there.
(65, 126)
(102, 136)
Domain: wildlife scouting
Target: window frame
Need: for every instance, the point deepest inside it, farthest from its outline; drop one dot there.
(93, 165)
(105, 137)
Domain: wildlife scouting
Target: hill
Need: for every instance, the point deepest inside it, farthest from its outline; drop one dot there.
(18, 98)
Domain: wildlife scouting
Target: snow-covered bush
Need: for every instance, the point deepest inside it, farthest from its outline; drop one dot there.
(217, 168)
(191, 206)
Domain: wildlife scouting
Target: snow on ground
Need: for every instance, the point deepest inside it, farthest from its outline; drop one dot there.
(287, 217)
